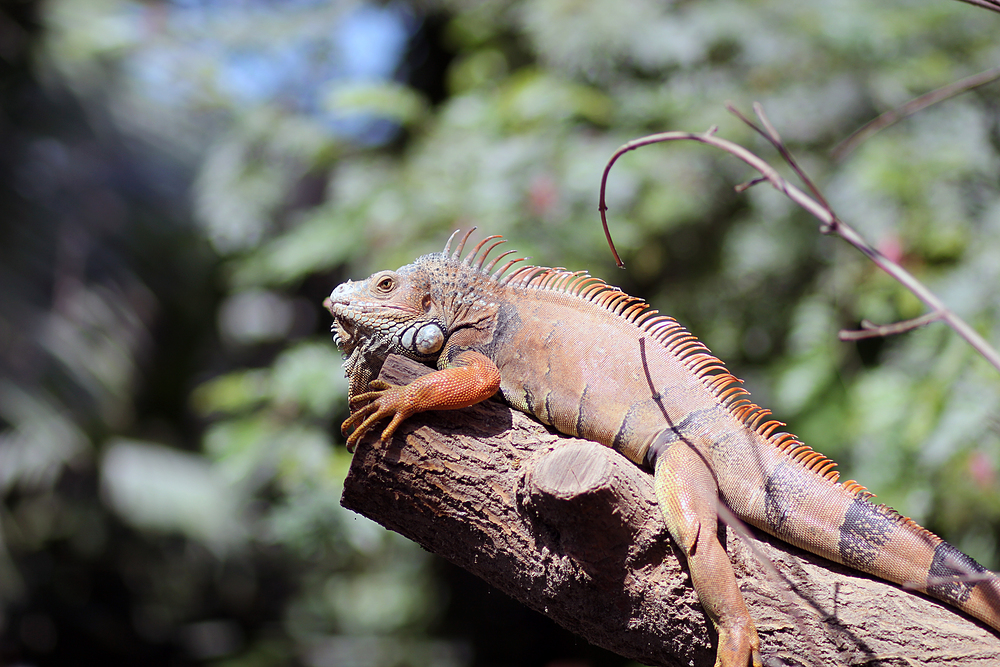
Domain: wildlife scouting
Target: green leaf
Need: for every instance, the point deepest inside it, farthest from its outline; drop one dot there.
(532, 96)
(310, 376)
(392, 101)
(323, 240)
(154, 487)
(233, 392)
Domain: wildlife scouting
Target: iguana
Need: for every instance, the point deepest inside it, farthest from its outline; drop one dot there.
(591, 361)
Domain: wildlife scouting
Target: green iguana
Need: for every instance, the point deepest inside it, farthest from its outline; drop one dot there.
(593, 362)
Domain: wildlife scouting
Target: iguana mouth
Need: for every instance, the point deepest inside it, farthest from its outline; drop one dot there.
(344, 329)
(343, 335)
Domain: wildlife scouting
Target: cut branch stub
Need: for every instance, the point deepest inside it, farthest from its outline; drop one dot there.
(571, 529)
(594, 510)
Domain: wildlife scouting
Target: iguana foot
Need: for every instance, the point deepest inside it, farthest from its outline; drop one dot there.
(739, 645)
(382, 402)
(471, 379)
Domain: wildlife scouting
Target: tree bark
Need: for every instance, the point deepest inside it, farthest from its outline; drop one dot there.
(571, 529)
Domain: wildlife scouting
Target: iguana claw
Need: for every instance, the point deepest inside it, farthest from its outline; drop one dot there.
(375, 387)
(472, 379)
(382, 401)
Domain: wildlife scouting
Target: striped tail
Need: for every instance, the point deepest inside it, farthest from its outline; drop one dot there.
(838, 521)
(876, 539)
(959, 580)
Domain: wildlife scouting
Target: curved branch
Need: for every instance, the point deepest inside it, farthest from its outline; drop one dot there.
(829, 223)
(991, 5)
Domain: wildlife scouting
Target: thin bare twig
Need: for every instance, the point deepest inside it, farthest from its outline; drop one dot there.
(952, 579)
(602, 206)
(749, 184)
(871, 330)
(991, 5)
(771, 134)
(889, 118)
(829, 223)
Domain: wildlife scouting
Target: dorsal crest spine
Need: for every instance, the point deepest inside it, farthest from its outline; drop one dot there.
(662, 329)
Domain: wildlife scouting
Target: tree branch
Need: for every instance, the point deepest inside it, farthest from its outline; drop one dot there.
(889, 118)
(991, 5)
(571, 529)
(871, 330)
(829, 222)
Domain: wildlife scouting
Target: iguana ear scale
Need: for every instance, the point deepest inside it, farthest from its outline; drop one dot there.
(424, 339)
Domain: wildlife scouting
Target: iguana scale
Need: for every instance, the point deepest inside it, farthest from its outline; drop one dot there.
(593, 362)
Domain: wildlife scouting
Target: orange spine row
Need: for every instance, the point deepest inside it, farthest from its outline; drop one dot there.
(665, 331)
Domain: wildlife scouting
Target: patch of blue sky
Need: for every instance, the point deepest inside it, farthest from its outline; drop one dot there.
(158, 76)
(372, 41)
(251, 76)
(367, 44)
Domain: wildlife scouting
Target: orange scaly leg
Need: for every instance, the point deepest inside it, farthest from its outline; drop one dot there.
(687, 495)
(470, 378)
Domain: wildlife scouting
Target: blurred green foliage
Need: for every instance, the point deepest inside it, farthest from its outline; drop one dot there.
(171, 398)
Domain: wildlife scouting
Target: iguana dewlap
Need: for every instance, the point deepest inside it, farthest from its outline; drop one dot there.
(591, 361)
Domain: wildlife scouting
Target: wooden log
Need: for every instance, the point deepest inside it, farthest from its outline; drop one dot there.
(571, 529)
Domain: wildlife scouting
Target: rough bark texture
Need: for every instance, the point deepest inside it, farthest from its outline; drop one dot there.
(571, 529)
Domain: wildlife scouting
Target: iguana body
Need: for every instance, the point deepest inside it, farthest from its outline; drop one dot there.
(591, 361)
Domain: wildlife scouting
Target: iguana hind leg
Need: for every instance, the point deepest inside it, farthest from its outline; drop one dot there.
(688, 495)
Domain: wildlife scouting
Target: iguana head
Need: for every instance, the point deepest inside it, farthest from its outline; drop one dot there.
(412, 311)
(390, 312)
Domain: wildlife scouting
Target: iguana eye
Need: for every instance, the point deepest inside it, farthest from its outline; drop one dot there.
(385, 285)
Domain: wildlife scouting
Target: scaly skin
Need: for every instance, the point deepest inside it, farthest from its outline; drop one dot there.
(593, 362)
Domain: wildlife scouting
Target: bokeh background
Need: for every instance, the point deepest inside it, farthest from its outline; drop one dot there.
(183, 181)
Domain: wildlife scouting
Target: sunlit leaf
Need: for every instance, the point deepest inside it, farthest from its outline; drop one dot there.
(39, 441)
(154, 487)
(322, 241)
(310, 376)
(232, 392)
(391, 101)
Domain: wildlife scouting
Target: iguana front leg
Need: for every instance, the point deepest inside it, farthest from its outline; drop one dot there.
(687, 494)
(470, 378)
